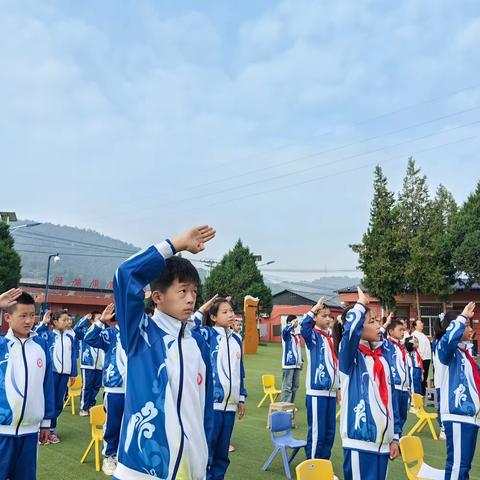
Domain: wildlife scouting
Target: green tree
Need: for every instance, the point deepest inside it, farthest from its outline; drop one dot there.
(464, 237)
(238, 275)
(10, 264)
(378, 253)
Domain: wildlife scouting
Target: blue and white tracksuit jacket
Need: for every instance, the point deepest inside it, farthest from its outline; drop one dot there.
(26, 385)
(415, 372)
(228, 372)
(459, 401)
(400, 369)
(62, 348)
(365, 423)
(168, 416)
(322, 373)
(291, 349)
(91, 358)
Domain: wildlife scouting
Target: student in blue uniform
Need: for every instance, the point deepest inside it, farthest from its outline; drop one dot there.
(64, 360)
(229, 393)
(168, 417)
(367, 415)
(91, 364)
(460, 381)
(105, 335)
(292, 361)
(26, 389)
(415, 364)
(322, 381)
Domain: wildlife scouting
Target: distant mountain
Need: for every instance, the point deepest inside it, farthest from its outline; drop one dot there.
(88, 255)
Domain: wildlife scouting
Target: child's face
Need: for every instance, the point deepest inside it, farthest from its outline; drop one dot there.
(178, 300)
(322, 319)
(62, 323)
(21, 320)
(225, 316)
(69, 323)
(237, 326)
(371, 329)
(415, 342)
(397, 332)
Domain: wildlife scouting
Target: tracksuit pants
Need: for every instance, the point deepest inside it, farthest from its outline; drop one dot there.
(321, 417)
(400, 402)
(290, 384)
(92, 382)
(114, 405)
(18, 459)
(60, 384)
(223, 423)
(461, 443)
(359, 465)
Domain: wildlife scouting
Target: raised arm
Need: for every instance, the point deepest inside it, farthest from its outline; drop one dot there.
(308, 322)
(81, 327)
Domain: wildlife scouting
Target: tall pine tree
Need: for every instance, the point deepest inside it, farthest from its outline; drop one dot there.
(10, 264)
(237, 275)
(378, 252)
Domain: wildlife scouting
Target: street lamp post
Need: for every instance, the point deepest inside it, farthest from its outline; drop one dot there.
(45, 305)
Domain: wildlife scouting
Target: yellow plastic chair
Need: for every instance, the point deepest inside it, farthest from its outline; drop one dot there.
(424, 418)
(339, 410)
(269, 389)
(97, 420)
(314, 470)
(415, 467)
(74, 391)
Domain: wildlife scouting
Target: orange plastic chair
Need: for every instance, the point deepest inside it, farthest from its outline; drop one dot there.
(74, 391)
(424, 418)
(97, 420)
(412, 456)
(269, 389)
(314, 470)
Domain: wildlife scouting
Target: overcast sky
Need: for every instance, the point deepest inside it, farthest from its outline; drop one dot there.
(262, 118)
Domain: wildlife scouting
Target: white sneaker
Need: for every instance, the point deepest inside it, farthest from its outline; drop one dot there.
(335, 477)
(84, 413)
(109, 465)
(442, 436)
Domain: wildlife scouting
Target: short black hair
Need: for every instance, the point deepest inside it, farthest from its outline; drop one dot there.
(442, 322)
(24, 299)
(57, 315)
(149, 310)
(394, 324)
(176, 268)
(291, 318)
(414, 323)
(95, 312)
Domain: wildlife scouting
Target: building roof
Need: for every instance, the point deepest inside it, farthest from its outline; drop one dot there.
(459, 286)
(310, 297)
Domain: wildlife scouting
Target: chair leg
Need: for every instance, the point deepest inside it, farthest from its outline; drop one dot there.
(271, 398)
(270, 459)
(269, 413)
(97, 455)
(286, 465)
(422, 426)
(415, 427)
(87, 451)
(65, 405)
(73, 405)
(276, 397)
(434, 433)
(293, 455)
(262, 401)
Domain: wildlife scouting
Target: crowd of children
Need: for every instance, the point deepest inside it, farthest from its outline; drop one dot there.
(174, 385)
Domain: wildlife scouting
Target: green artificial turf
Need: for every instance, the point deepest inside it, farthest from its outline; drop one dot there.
(250, 436)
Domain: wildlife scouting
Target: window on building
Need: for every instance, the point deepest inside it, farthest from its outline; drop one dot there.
(277, 330)
(429, 314)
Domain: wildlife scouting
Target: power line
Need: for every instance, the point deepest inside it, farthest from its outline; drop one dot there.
(72, 254)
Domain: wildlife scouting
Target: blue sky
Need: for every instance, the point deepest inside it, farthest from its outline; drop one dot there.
(140, 118)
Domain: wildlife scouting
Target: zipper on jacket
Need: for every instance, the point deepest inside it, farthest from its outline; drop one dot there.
(24, 404)
(229, 372)
(61, 340)
(179, 403)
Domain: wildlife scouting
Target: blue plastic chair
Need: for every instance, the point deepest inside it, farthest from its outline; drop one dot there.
(281, 430)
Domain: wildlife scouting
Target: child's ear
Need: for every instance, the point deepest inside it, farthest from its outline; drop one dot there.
(156, 297)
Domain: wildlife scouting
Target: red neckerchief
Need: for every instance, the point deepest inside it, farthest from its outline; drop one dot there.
(402, 348)
(295, 337)
(378, 372)
(419, 359)
(330, 344)
(476, 373)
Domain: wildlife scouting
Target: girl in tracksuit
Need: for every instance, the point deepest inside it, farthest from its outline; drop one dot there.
(368, 423)
(91, 364)
(396, 355)
(64, 360)
(460, 402)
(229, 391)
(415, 363)
(292, 361)
(104, 334)
(321, 383)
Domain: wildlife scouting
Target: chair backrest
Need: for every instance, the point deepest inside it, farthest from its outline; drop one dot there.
(97, 416)
(315, 469)
(280, 422)
(268, 381)
(417, 401)
(77, 383)
(412, 449)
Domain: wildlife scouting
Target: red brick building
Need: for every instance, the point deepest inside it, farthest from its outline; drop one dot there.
(289, 302)
(430, 307)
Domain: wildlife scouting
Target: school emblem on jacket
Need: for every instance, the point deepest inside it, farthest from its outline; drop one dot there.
(86, 355)
(289, 357)
(110, 372)
(319, 373)
(460, 395)
(360, 414)
(39, 363)
(140, 425)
